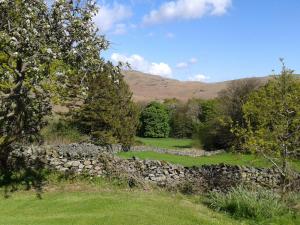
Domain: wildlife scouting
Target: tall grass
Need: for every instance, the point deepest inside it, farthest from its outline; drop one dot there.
(59, 131)
(259, 204)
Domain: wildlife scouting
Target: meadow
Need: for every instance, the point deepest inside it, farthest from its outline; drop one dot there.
(226, 158)
(101, 202)
(167, 143)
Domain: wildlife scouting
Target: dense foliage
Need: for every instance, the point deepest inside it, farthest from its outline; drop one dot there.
(108, 114)
(42, 49)
(272, 117)
(181, 123)
(155, 121)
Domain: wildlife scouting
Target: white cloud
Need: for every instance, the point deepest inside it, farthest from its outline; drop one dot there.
(186, 10)
(199, 77)
(193, 60)
(137, 62)
(109, 17)
(182, 65)
(120, 28)
(162, 69)
(170, 35)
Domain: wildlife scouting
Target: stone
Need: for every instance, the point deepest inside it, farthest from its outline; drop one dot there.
(68, 164)
(87, 162)
(97, 168)
(80, 166)
(88, 167)
(75, 164)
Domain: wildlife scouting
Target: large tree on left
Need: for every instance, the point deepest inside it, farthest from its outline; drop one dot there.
(38, 45)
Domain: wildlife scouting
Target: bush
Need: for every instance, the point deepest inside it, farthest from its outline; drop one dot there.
(214, 134)
(155, 121)
(257, 204)
(59, 131)
(108, 113)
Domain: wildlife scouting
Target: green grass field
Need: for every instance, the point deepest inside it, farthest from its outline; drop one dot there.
(80, 203)
(227, 158)
(88, 204)
(167, 143)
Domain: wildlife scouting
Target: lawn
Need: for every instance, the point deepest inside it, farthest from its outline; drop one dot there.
(107, 206)
(94, 204)
(227, 158)
(167, 143)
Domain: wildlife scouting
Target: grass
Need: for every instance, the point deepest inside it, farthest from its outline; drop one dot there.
(257, 205)
(59, 131)
(166, 143)
(111, 202)
(227, 158)
(106, 204)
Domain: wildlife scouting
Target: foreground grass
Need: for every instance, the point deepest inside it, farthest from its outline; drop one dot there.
(261, 206)
(103, 202)
(167, 143)
(227, 158)
(93, 204)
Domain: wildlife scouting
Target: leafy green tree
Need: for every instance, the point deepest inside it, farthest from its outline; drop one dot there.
(181, 124)
(208, 110)
(185, 118)
(219, 116)
(155, 121)
(32, 38)
(235, 96)
(272, 116)
(212, 130)
(108, 113)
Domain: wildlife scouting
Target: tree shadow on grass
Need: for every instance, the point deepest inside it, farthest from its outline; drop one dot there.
(17, 172)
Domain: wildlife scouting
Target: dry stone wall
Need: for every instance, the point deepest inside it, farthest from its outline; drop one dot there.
(94, 161)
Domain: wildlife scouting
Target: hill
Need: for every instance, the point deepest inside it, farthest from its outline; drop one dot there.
(146, 87)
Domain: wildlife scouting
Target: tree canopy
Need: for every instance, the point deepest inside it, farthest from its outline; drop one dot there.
(39, 45)
(108, 113)
(155, 121)
(272, 116)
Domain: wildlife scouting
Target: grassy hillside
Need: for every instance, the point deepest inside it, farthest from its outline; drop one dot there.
(147, 87)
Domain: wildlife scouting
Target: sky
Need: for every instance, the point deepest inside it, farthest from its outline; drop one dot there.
(202, 40)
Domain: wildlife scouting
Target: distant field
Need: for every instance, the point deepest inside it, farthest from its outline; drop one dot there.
(227, 158)
(167, 143)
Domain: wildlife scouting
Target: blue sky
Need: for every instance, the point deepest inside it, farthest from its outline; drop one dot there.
(204, 40)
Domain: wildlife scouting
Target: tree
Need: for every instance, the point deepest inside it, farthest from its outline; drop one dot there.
(108, 113)
(230, 114)
(185, 118)
(235, 96)
(155, 121)
(32, 39)
(212, 129)
(272, 116)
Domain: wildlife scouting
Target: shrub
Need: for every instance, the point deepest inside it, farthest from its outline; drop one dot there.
(250, 204)
(108, 113)
(155, 121)
(59, 131)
